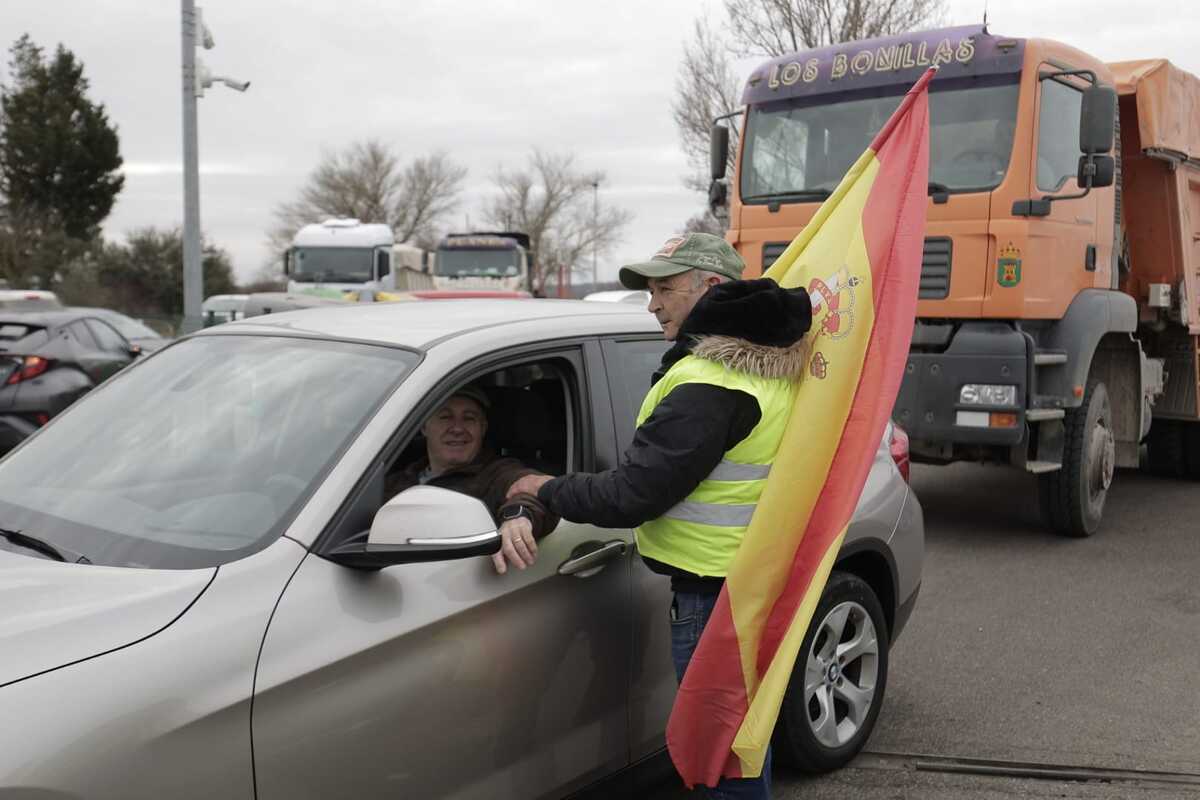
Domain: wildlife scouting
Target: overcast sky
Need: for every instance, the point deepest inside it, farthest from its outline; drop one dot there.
(485, 81)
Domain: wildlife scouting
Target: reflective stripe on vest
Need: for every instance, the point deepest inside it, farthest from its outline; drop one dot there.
(702, 533)
(732, 471)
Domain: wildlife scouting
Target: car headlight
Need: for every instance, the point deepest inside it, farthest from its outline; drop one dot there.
(987, 394)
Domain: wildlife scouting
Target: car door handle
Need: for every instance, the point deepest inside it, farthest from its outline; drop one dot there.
(587, 559)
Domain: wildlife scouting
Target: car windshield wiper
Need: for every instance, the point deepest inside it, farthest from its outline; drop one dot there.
(805, 194)
(43, 547)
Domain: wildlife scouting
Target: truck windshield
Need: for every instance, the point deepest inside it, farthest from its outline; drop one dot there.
(478, 263)
(200, 455)
(332, 264)
(800, 149)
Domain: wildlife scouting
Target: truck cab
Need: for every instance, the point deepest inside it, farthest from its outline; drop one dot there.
(1031, 345)
(340, 255)
(483, 261)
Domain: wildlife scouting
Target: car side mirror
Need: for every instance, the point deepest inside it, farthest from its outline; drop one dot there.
(1097, 119)
(423, 523)
(1096, 171)
(135, 350)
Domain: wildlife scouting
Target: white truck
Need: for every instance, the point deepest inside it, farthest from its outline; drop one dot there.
(343, 255)
(483, 261)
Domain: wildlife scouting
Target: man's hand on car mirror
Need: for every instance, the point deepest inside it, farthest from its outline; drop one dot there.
(528, 485)
(519, 546)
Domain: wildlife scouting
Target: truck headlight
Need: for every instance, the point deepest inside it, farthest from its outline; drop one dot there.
(987, 394)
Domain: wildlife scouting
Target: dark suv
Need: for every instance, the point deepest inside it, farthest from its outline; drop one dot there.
(49, 359)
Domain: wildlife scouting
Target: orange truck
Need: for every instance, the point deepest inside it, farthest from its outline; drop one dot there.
(1059, 307)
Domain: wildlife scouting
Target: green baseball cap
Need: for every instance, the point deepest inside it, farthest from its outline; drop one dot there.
(681, 253)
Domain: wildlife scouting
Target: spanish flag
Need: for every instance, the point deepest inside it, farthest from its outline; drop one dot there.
(860, 260)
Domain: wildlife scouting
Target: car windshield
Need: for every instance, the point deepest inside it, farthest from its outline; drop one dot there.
(478, 263)
(802, 148)
(200, 455)
(333, 264)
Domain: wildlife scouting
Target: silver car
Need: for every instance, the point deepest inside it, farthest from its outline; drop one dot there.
(206, 593)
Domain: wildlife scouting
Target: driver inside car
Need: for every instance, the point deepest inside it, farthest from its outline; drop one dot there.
(456, 459)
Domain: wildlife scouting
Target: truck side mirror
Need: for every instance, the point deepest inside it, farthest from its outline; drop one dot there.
(718, 151)
(1096, 171)
(383, 265)
(287, 262)
(1097, 119)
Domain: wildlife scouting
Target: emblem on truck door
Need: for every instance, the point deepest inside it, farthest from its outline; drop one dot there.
(1008, 266)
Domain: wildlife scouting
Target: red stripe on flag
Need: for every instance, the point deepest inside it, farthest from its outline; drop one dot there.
(718, 704)
(903, 111)
(893, 223)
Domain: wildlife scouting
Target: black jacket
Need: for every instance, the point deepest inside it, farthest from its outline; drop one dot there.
(754, 326)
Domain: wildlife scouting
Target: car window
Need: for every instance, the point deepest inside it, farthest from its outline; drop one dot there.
(1058, 135)
(200, 455)
(80, 331)
(12, 331)
(631, 364)
(534, 415)
(130, 328)
(108, 339)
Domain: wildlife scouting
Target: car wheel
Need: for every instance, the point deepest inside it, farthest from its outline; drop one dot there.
(1072, 498)
(837, 686)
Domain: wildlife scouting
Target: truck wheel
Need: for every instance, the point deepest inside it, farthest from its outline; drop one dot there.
(1165, 448)
(836, 689)
(1072, 499)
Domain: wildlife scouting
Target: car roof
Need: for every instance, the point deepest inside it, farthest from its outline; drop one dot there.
(45, 319)
(419, 325)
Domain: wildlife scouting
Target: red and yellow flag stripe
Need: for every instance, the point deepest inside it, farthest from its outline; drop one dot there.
(860, 260)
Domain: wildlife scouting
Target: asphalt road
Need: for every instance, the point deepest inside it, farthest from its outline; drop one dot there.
(1026, 648)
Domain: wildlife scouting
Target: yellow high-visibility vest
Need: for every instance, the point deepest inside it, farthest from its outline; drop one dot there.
(702, 533)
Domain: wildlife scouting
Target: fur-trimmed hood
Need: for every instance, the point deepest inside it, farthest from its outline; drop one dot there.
(755, 326)
(757, 359)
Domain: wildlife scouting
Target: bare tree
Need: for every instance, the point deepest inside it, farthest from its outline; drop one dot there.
(778, 27)
(705, 88)
(552, 202)
(367, 181)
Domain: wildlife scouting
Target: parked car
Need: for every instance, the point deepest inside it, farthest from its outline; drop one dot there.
(28, 300)
(208, 531)
(135, 331)
(48, 360)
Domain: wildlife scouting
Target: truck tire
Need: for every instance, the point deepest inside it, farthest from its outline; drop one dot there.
(1072, 499)
(1165, 449)
(836, 688)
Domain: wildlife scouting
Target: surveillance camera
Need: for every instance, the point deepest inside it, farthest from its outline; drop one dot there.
(240, 86)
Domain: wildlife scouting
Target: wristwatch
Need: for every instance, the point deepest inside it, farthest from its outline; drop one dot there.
(516, 511)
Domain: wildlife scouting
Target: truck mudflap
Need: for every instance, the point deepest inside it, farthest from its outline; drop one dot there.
(932, 406)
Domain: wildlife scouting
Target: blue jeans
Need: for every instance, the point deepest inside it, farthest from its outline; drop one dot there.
(689, 615)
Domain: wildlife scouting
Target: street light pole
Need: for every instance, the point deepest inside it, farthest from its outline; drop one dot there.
(595, 230)
(196, 78)
(193, 274)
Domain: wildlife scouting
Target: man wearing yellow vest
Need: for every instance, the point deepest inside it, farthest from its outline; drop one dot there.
(707, 432)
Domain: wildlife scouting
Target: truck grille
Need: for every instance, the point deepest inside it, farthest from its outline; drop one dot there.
(771, 252)
(935, 265)
(935, 268)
